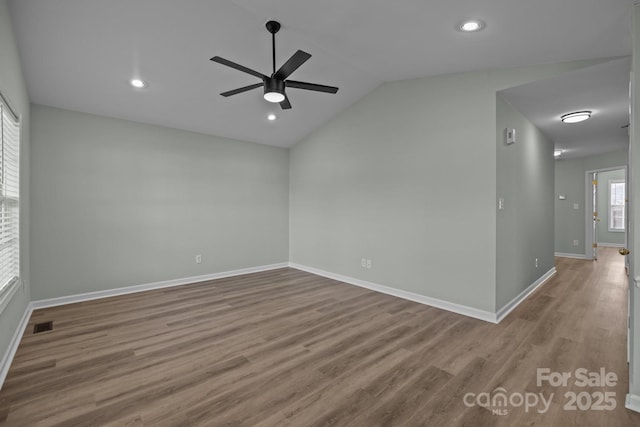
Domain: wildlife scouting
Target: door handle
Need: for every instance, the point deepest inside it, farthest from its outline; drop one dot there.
(623, 251)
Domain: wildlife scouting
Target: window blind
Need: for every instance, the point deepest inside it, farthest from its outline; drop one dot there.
(9, 199)
(616, 205)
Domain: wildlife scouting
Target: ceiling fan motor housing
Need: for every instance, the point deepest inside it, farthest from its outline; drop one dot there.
(273, 26)
(273, 85)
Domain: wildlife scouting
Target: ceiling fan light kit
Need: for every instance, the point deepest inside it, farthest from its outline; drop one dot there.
(274, 90)
(274, 85)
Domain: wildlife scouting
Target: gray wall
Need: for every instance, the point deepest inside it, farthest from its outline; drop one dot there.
(386, 181)
(406, 177)
(606, 237)
(525, 177)
(117, 203)
(570, 181)
(13, 87)
(397, 180)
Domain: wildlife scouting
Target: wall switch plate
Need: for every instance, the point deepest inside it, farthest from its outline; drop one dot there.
(501, 204)
(363, 263)
(576, 242)
(510, 136)
(576, 206)
(368, 263)
(198, 259)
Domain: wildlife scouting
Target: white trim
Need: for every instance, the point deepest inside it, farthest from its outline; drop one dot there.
(53, 302)
(632, 402)
(487, 316)
(611, 245)
(6, 295)
(511, 305)
(422, 299)
(7, 358)
(575, 256)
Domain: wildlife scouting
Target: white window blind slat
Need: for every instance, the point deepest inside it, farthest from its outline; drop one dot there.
(9, 198)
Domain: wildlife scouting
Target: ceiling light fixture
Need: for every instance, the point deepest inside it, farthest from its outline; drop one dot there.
(274, 86)
(275, 97)
(274, 90)
(271, 117)
(137, 83)
(576, 117)
(471, 26)
(557, 153)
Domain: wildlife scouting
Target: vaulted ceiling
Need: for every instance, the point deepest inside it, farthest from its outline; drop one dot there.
(80, 54)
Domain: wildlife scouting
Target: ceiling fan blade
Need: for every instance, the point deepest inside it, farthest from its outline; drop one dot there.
(238, 67)
(285, 105)
(310, 86)
(296, 60)
(242, 89)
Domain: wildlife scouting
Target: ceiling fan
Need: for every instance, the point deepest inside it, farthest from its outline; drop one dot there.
(274, 85)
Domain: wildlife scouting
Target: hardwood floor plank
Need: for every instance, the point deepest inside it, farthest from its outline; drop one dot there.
(401, 405)
(288, 348)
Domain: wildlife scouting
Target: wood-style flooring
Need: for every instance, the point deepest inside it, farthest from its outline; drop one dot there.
(287, 348)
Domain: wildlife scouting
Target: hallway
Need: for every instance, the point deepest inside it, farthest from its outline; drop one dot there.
(581, 320)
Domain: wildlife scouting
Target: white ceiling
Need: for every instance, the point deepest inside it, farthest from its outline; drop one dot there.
(80, 54)
(602, 89)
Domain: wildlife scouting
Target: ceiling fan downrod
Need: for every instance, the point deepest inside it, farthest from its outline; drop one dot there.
(273, 27)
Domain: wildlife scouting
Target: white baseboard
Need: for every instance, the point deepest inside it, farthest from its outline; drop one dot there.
(611, 245)
(575, 256)
(422, 299)
(7, 358)
(487, 316)
(632, 402)
(53, 302)
(511, 305)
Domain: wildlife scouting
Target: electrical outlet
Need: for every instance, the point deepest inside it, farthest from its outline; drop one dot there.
(198, 259)
(576, 242)
(536, 262)
(576, 206)
(369, 263)
(363, 263)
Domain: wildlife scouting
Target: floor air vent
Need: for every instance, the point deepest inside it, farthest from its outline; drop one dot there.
(43, 327)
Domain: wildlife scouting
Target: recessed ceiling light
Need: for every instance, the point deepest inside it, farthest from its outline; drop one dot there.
(137, 83)
(271, 117)
(471, 25)
(577, 117)
(557, 153)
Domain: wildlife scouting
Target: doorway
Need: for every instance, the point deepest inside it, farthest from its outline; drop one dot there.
(606, 209)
